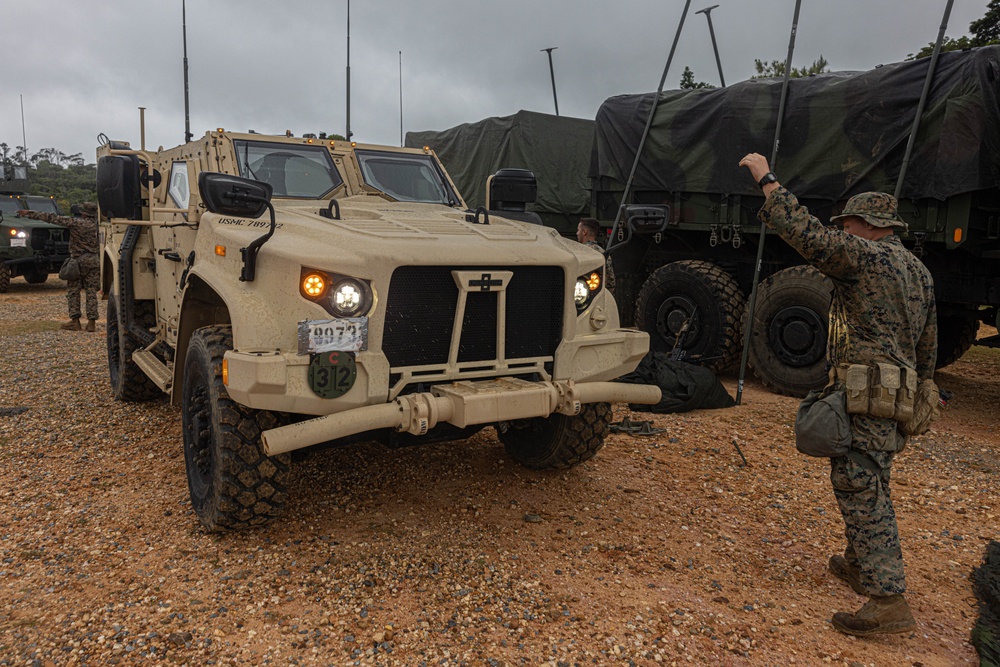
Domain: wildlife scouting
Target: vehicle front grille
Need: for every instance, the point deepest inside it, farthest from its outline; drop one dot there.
(422, 304)
(48, 240)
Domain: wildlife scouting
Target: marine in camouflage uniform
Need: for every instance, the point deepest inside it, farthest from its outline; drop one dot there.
(82, 247)
(586, 233)
(883, 310)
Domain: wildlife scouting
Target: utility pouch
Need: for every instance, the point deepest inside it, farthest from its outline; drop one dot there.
(906, 396)
(822, 427)
(856, 381)
(885, 388)
(70, 270)
(926, 408)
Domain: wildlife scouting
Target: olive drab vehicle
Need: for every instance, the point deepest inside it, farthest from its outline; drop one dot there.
(290, 292)
(28, 248)
(688, 249)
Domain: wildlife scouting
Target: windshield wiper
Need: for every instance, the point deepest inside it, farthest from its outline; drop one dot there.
(246, 161)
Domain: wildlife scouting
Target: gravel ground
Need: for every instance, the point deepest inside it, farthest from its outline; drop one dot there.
(664, 549)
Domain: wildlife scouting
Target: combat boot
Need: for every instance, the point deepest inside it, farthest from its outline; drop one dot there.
(91, 325)
(878, 616)
(842, 569)
(72, 325)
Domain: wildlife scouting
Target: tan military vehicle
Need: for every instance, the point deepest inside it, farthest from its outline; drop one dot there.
(290, 292)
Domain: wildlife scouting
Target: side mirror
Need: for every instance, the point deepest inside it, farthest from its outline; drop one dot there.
(511, 189)
(118, 186)
(232, 195)
(647, 219)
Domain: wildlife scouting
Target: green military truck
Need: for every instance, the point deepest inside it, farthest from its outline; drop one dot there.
(686, 253)
(556, 149)
(290, 292)
(28, 248)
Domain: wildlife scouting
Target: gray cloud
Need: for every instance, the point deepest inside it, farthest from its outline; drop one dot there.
(85, 67)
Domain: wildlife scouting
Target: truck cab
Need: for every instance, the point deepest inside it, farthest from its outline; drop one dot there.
(28, 248)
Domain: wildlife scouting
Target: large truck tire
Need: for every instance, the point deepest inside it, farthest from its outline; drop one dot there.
(557, 441)
(128, 382)
(4, 278)
(956, 334)
(35, 277)
(677, 290)
(789, 331)
(233, 484)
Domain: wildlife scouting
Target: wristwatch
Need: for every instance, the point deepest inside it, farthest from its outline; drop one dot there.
(769, 177)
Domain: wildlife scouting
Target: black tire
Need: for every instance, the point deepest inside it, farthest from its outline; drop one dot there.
(36, 277)
(128, 382)
(789, 331)
(4, 278)
(233, 484)
(672, 293)
(557, 441)
(956, 334)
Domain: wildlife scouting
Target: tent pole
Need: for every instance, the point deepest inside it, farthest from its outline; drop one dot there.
(649, 123)
(931, 68)
(763, 228)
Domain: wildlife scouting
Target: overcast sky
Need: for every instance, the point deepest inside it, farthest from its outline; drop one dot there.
(84, 67)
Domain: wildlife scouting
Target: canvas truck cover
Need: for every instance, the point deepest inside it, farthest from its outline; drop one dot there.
(843, 133)
(556, 148)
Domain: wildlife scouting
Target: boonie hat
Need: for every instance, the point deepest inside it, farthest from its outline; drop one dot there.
(876, 208)
(87, 209)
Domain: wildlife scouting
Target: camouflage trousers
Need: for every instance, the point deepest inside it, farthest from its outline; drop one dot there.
(89, 281)
(861, 486)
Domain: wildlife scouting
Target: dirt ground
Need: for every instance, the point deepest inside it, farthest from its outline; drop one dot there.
(664, 549)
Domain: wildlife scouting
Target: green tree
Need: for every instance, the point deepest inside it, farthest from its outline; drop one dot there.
(985, 31)
(688, 82)
(776, 68)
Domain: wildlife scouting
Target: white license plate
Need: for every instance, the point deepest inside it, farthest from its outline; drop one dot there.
(345, 334)
(18, 243)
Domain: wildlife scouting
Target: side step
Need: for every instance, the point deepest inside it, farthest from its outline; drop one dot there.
(157, 371)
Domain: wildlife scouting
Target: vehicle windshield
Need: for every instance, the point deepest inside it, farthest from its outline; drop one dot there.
(43, 204)
(305, 172)
(405, 177)
(9, 205)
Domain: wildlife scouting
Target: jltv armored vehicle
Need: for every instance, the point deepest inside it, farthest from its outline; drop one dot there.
(290, 292)
(28, 248)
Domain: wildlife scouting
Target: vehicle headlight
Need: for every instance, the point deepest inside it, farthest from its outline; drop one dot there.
(347, 298)
(340, 295)
(18, 233)
(586, 288)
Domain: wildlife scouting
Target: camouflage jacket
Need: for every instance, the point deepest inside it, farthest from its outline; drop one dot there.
(82, 231)
(609, 272)
(883, 307)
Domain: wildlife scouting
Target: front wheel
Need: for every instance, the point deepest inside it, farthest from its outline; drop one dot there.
(557, 441)
(702, 295)
(128, 382)
(233, 484)
(4, 278)
(35, 277)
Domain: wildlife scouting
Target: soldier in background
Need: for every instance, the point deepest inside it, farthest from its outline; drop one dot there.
(586, 233)
(83, 247)
(883, 311)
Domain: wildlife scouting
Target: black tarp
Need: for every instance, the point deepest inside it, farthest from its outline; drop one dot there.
(843, 133)
(556, 148)
(684, 386)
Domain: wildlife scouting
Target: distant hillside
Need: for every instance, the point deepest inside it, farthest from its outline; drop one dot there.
(69, 185)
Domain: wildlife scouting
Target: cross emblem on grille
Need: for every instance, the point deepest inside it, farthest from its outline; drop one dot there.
(486, 282)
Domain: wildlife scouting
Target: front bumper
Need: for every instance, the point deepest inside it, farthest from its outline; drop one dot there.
(461, 404)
